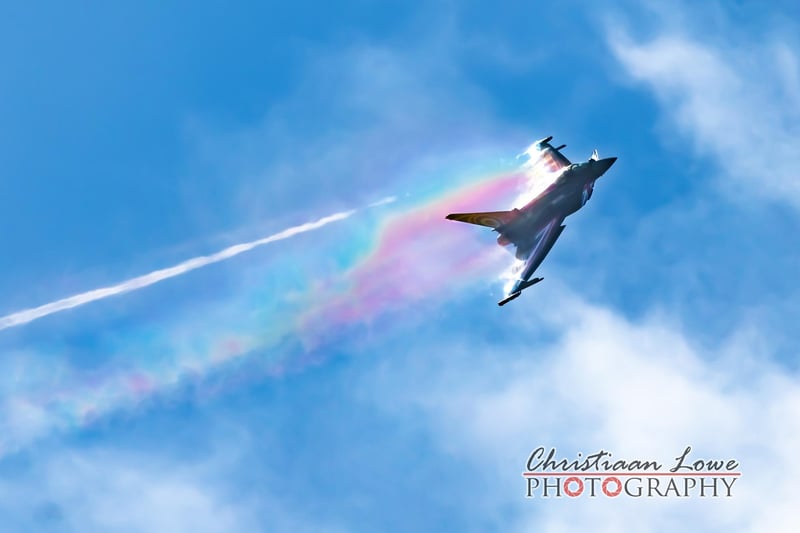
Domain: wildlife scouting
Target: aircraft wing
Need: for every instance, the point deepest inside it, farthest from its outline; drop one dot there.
(545, 239)
(551, 158)
(490, 219)
(533, 256)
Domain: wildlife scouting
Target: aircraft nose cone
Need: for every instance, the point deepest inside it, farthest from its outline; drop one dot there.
(607, 162)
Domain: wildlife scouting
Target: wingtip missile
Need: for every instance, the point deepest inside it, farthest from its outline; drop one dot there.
(508, 298)
(519, 286)
(525, 284)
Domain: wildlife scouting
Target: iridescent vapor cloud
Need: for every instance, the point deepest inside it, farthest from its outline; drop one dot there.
(418, 255)
(289, 306)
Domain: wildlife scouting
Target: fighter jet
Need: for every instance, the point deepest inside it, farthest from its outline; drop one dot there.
(534, 228)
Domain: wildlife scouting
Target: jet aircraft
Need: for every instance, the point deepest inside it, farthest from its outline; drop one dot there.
(534, 228)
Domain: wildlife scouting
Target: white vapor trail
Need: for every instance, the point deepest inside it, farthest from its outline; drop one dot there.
(28, 315)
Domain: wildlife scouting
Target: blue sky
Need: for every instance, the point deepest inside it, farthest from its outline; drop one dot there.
(236, 398)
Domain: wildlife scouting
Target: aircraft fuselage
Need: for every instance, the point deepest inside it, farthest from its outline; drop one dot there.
(566, 195)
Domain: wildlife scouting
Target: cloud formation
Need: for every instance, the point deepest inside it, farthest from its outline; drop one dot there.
(640, 389)
(738, 104)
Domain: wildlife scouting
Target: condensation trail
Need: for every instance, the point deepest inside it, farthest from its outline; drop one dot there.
(28, 315)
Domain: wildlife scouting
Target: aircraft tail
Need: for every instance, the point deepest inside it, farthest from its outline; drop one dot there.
(490, 219)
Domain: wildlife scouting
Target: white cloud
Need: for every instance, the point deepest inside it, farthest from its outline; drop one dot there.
(109, 490)
(639, 389)
(101, 491)
(735, 101)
